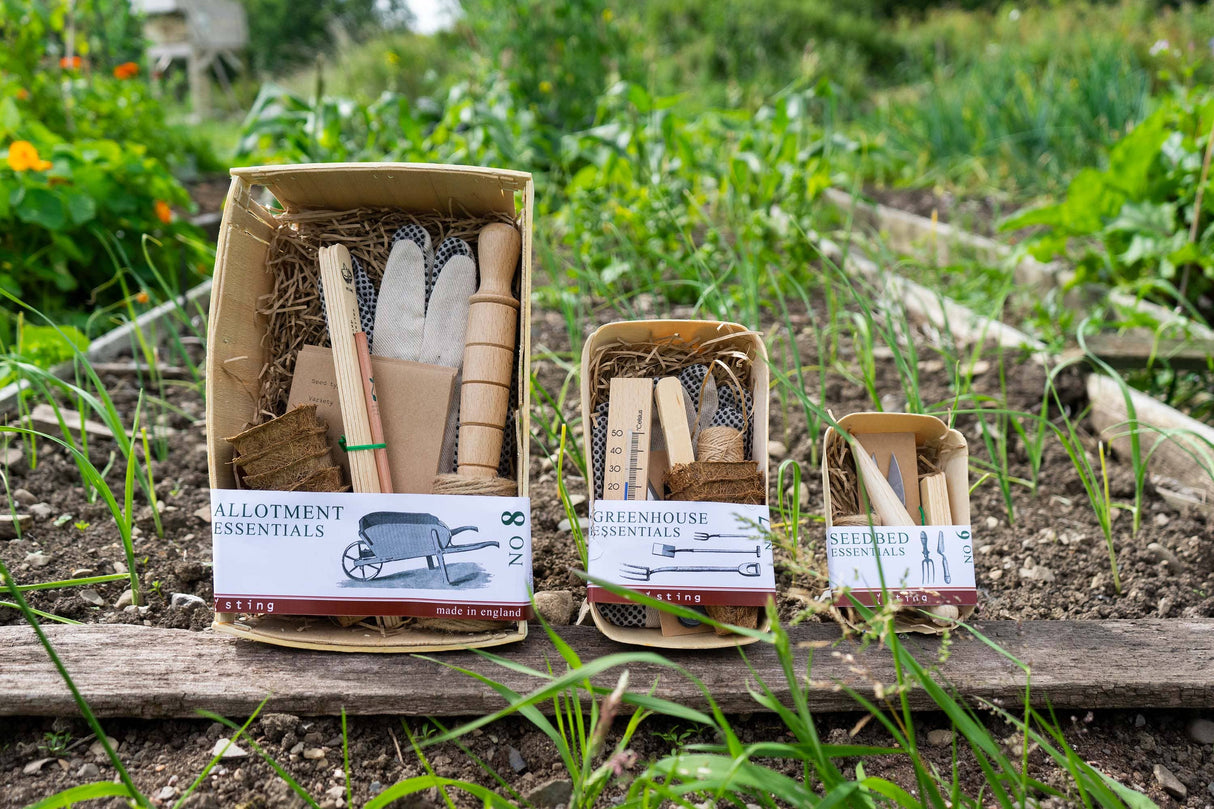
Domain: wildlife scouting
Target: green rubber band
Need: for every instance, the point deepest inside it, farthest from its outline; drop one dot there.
(341, 442)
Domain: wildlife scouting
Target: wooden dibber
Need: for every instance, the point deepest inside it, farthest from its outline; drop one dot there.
(488, 368)
(341, 306)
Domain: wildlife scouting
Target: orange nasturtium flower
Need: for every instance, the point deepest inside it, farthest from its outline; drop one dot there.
(71, 62)
(126, 70)
(23, 94)
(142, 296)
(22, 156)
(163, 212)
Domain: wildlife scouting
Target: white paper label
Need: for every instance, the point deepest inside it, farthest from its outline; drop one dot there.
(685, 553)
(920, 565)
(301, 553)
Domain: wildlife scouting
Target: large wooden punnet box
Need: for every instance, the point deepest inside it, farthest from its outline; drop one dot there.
(730, 337)
(237, 354)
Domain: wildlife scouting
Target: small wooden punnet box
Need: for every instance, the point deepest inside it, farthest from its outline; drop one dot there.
(238, 354)
(730, 337)
(936, 448)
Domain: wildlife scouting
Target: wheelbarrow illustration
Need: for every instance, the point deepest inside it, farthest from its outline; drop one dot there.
(393, 536)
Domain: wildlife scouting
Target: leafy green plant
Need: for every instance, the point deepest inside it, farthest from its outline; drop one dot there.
(557, 59)
(55, 209)
(46, 346)
(476, 123)
(1146, 222)
(1095, 483)
(1054, 118)
(55, 743)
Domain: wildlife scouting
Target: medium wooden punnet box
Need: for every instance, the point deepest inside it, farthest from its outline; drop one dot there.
(738, 341)
(238, 355)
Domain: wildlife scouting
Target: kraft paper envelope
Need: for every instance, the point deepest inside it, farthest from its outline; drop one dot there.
(413, 402)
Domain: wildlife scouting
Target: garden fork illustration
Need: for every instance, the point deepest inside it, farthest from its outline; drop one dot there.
(928, 567)
(662, 549)
(700, 536)
(642, 573)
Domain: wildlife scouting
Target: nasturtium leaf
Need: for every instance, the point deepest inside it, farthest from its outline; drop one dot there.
(42, 207)
(80, 206)
(10, 118)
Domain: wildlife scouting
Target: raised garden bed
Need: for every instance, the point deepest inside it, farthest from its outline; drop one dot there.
(1050, 564)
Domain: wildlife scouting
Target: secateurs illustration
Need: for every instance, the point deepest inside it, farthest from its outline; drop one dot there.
(943, 559)
(661, 549)
(642, 573)
(928, 567)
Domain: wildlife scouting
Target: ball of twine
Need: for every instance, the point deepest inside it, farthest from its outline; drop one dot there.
(489, 487)
(720, 443)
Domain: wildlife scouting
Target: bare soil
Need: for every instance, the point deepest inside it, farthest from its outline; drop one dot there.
(1047, 561)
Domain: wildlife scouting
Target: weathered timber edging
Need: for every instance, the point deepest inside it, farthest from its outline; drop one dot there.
(1182, 467)
(1182, 448)
(916, 235)
(118, 341)
(966, 326)
(137, 671)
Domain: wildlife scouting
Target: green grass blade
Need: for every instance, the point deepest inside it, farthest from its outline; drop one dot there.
(48, 616)
(84, 792)
(412, 786)
(81, 582)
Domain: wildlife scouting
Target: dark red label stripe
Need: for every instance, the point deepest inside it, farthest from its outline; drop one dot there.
(294, 605)
(960, 597)
(740, 597)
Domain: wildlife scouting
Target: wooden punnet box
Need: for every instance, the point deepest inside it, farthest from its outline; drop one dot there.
(243, 353)
(663, 348)
(928, 558)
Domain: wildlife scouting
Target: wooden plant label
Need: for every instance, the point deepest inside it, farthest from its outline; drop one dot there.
(300, 553)
(693, 554)
(920, 565)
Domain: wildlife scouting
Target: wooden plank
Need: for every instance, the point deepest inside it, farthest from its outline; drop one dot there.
(1139, 349)
(916, 235)
(1185, 451)
(966, 326)
(147, 672)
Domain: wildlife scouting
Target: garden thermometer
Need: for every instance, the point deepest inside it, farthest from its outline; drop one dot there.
(629, 415)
